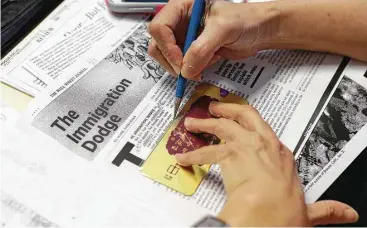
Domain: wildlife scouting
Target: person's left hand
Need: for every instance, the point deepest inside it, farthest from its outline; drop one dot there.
(330, 212)
(259, 172)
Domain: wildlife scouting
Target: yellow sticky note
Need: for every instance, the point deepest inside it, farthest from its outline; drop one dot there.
(161, 166)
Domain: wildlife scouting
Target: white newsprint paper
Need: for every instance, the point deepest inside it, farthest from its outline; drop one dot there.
(89, 132)
(45, 185)
(61, 38)
(64, 37)
(338, 133)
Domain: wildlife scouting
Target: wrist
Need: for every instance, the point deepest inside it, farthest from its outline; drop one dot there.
(241, 211)
(302, 25)
(286, 23)
(256, 210)
(264, 23)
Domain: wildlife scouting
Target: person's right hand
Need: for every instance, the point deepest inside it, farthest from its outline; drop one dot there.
(232, 31)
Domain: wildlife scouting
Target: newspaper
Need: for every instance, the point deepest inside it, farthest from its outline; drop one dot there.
(102, 113)
(336, 133)
(112, 115)
(41, 56)
(16, 214)
(11, 65)
(46, 185)
(13, 212)
(64, 36)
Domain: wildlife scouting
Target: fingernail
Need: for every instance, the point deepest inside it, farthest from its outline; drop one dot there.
(178, 158)
(214, 103)
(211, 106)
(187, 71)
(215, 59)
(350, 214)
(188, 121)
(173, 73)
(176, 69)
(199, 77)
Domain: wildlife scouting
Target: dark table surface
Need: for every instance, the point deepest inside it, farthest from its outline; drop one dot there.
(19, 17)
(350, 187)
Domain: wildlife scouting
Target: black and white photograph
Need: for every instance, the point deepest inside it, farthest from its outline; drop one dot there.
(133, 53)
(126, 75)
(343, 117)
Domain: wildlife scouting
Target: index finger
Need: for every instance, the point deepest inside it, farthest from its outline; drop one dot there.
(201, 51)
(162, 30)
(225, 129)
(246, 115)
(212, 154)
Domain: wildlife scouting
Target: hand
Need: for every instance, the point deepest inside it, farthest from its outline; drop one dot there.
(232, 31)
(259, 172)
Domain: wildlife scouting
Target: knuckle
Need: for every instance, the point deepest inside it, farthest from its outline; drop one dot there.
(192, 156)
(278, 145)
(218, 126)
(289, 159)
(224, 26)
(153, 49)
(330, 210)
(240, 115)
(154, 28)
(221, 22)
(166, 53)
(258, 140)
(199, 49)
(292, 162)
(232, 149)
(250, 109)
(217, 7)
(199, 154)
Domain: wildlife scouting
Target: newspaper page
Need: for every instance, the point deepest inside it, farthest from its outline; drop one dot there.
(12, 72)
(321, 118)
(66, 35)
(336, 135)
(45, 185)
(16, 214)
(110, 117)
(13, 212)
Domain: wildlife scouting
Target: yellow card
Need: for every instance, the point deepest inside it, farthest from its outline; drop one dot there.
(161, 165)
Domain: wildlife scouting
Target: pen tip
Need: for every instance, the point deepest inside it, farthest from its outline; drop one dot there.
(177, 106)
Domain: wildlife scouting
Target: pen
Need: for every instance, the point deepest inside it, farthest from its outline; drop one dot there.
(194, 25)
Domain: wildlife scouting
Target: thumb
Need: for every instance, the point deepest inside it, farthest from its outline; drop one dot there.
(330, 212)
(201, 52)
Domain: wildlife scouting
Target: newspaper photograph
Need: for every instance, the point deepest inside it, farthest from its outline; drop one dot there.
(113, 115)
(343, 117)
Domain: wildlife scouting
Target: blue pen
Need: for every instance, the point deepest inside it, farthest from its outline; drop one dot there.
(194, 25)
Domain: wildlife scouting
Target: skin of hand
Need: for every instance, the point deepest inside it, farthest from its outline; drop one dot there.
(240, 30)
(258, 171)
(223, 35)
